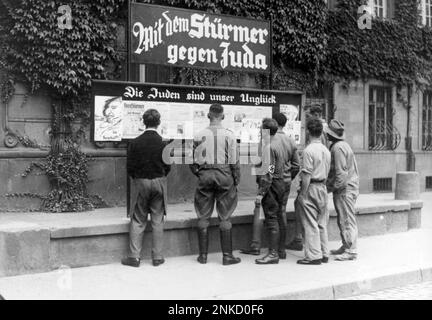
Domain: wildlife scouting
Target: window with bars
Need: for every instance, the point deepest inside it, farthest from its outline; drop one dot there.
(382, 184)
(425, 12)
(379, 8)
(427, 121)
(429, 182)
(382, 134)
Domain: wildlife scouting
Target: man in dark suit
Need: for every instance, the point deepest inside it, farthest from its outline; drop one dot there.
(148, 172)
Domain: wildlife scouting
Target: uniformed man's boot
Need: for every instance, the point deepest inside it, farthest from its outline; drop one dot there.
(226, 244)
(203, 245)
(272, 257)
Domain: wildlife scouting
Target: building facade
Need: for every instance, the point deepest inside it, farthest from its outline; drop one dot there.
(378, 117)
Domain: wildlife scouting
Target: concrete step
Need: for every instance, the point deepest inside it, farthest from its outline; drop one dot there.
(39, 242)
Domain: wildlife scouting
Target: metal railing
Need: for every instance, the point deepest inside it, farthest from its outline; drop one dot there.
(427, 139)
(383, 136)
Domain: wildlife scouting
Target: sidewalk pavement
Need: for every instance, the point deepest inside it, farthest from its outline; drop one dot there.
(384, 262)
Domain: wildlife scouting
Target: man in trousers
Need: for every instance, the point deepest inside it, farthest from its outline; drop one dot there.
(313, 196)
(314, 112)
(149, 190)
(271, 191)
(290, 170)
(343, 181)
(216, 164)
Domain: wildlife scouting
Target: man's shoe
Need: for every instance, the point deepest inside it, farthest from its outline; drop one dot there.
(251, 251)
(309, 262)
(339, 251)
(295, 246)
(346, 256)
(229, 259)
(282, 255)
(132, 262)
(271, 258)
(158, 262)
(202, 258)
(325, 259)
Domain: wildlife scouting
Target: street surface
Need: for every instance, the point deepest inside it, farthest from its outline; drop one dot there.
(421, 291)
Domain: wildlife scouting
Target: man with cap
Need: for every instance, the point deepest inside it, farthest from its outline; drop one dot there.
(343, 181)
(217, 166)
(313, 198)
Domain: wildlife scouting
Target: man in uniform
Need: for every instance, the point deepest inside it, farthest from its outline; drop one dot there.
(343, 181)
(216, 164)
(149, 189)
(291, 168)
(271, 191)
(313, 196)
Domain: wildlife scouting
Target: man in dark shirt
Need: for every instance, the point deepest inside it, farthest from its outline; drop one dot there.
(271, 190)
(291, 169)
(149, 189)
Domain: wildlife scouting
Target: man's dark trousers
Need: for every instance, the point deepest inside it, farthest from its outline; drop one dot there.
(283, 223)
(272, 204)
(150, 199)
(281, 217)
(215, 186)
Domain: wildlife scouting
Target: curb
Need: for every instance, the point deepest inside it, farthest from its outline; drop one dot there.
(340, 290)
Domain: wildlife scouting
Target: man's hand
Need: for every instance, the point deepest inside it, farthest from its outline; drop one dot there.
(258, 199)
(300, 197)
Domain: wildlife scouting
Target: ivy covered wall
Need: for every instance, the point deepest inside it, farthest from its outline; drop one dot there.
(396, 50)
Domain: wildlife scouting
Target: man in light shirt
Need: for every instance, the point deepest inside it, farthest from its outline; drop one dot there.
(313, 198)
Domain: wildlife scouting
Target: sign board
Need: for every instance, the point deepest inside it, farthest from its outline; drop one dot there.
(188, 38)
(119, 107)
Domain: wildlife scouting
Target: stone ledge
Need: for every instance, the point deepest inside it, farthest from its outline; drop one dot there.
(242, 216)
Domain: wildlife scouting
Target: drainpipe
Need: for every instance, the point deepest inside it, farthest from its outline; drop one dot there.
(408, 140)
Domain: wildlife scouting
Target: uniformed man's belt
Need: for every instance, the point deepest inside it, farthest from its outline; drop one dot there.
(317, 181)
